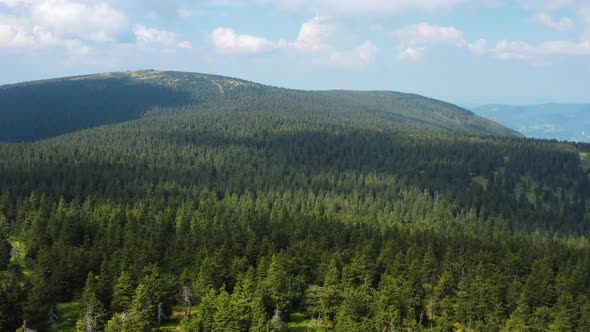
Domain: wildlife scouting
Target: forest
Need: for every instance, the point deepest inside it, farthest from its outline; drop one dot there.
(250, 208)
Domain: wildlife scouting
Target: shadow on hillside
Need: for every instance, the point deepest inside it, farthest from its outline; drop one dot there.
(38, 111)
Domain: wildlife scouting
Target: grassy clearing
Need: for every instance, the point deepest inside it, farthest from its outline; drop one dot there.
(300, 323)
(68, 314)
(173, 322)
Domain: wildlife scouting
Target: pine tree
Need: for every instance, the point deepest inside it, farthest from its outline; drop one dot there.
(141, 312)
(123, 292)
(563, 313)
(259, 317)
(226, 317)
(93, 314)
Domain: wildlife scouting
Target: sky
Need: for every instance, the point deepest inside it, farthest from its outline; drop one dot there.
(463, 51)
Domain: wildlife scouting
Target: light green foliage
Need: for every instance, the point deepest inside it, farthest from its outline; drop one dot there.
(123, 291)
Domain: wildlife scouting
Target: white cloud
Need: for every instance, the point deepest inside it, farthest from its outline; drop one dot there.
(311, 38)
(564, 47)
(563, 24)
(227, 41)
(361, 56)
(96, 23)
(412, 53)
(158, 38)
(60, 23)
(415, 38)
(520, 50)
(312, 35)
(425, 33)
(14, 37)
(13, 34)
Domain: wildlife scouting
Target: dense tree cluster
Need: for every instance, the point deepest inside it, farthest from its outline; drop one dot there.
(247, 262)
(238, 213)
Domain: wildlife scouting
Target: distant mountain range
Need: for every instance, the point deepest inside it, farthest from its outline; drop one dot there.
(569, 122)
(37, 110)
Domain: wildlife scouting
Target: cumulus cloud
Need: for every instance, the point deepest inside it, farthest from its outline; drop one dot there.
(97, 22)
(563, 24)
(227, 41)
(77, 26)
(12, 36)
(312, 35)
(158, 38)
(60, 23)
(311, 38)
(414, 39)
(361, 56)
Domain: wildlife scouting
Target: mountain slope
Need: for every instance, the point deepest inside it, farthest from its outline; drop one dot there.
(569, 122)
(249, 208)
(41, 109)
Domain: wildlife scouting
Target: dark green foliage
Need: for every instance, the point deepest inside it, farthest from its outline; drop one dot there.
(141, 313)
(270, 202)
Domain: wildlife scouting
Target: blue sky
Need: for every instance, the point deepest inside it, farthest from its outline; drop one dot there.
(463, 51)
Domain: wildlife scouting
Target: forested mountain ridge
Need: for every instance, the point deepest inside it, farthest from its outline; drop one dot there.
(41, 109)
(275, 209)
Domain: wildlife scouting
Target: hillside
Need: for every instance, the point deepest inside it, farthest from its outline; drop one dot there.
(250, 208)
(70, 104)
(569, 122)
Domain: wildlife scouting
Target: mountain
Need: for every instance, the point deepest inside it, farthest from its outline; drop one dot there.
(146, 201)
(569, 122)
(75, 103)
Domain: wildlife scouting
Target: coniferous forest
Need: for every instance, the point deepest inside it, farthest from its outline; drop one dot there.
(162, 201)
